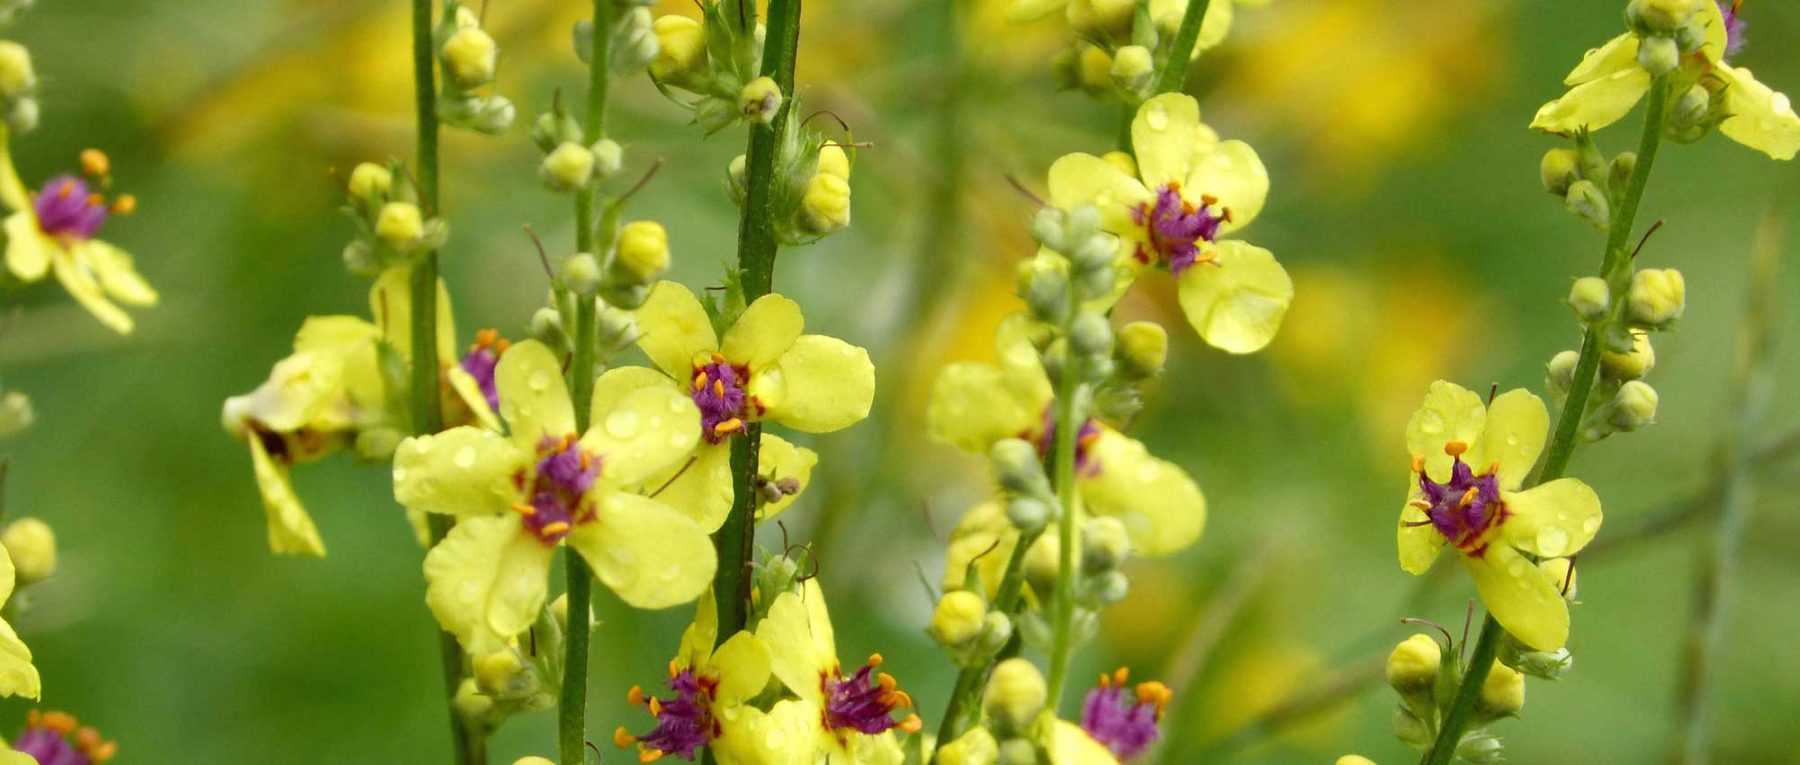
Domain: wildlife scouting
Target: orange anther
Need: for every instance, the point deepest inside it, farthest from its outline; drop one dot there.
(674, 668)
(911, 724)
(1121, 675)
(650, 755)
(524, 509)
(622, 738)
(699, 380)
(554, 528)
(635, 696)
(655, 706)
(61, 722)
(1418, 464)
(67, 188)
(886, 681)
(718, 358)
(1468, 497)
(126, 204)
(875, 660)
(95, 163)
(728, 426)
(719, 388)
(1208, 200)
(1456, 448)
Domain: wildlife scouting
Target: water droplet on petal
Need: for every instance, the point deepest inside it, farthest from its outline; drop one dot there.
(1157, 117)
(1552, 541)
(1591, 525)
(539, 380)
(465, 457)
(1430, 422)
(622, 424)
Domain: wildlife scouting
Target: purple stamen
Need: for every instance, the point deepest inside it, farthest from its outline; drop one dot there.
(684, 723)
(718, 390)
(859, 703)
(1086, 464)
(1113, 716)
(558, 496)
(1176, 228)
(480, 364)
(1463, 508)
(1735, 27)
(54, 739)
(65, 209)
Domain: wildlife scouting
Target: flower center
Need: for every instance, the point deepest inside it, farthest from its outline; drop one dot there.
(1464, 508)
(1124, 719)
(1735, 26)
(558, 500)
(684, 722)
(1176, 228)
(1085, 463)
(56, 738)
(483, 357)
(865, 702)
(718, 390)
(65, 208)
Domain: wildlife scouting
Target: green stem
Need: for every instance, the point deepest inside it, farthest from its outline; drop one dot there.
(757, 248)
(1067, 431)
(468, 741)
(1009, 600)
(1173, 75)
(1616, 268)
(572, 706)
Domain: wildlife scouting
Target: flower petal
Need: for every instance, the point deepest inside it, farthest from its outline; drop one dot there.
(1520, 597)
(825, 384)
(486, 581)
(674, 329)
(117, 275)
(1718, 37)
(701, 633)
(787, 733)
(390, 303)
(797, 622)
(1161, 507)
(971, 408)
(742, 666)
(1513, 436)
(534, 400)
(1553, 520)
(1419, 544)
(1450, 413)
(1761, 118)
(27, 249)
(1163, 133)
(763, 332)
(651, 555)
(645, 431)
(1075, 747)
(1023, 366)
(1237, 302)
(291, 530)
(1617, 55)
(469, 392)
(80, 283)
(1595, 104)
(1078, 179)
(464, 471)
(703, 490)
(18, 676)
(1232, 172)
(985, 537)
(779, 460)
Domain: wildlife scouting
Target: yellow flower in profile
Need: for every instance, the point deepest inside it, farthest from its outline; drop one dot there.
(53, 231)
(1468, 461)
(18, 676)
(517, 496)
(764, 369)
(839, 719)
(1190, 188)
(973, 405)
(1609, 81)
(710, 690)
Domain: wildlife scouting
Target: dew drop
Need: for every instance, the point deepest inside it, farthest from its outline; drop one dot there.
(1157, 117)
(678, 404)
(1591, 525)
(1430, 422)
(622, 424)
(1552, 541)
(1512, 439)
(539, 380)
(399, 475)
(465, 457)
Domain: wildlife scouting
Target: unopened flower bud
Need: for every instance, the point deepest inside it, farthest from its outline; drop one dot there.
(1502, 694)
(470, 702)
(1562, 576)
(1410, 729)
(370, 183)
(1412, 667)
(547, 328)
(643, 250)
(1016, 466)
(1018, 751)
(23, 116)
(609, 156)
(1093, 68)
(1634, 406)
(17, 77)
(1043, 563)
(1630, 365)
(958, 618)
(977, 747)
(553, 129)
(1142, 349)
(1560, 373)
(1044, 283)
(1657, 298)
(734, 179)
(1549, 665)
(470, 57)
(32, 546)
(1104, 544)
(1096, 254)
(996, 632)
(1658, 55)
(1590, 298)
(400, 225)
(1027, 513)
(497, 673)
(1132, 68)
(760, 100)
(1481, 749)
(569, 168)
(1016, 693)
(1619, 171)
(833, 160)
(681, 50)
(15, 413)
(634, 43)
(1588, 202)
(1049, 227)
(1558, 169)
(581, 273)
(1354, 759)
(826, 205)
(1092, 335)
(1108, 588)
(1100, 18)
(1660, 16)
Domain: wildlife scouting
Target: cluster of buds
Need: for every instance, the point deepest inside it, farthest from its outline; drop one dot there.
(519, 676)
(571, 163)
(469, 59)
(391, 228)
(632, 41)
(15, 413)
(1671, 34)
(1118, 42)
(1015, 698)
(711, 65)
(18, 87)
(810, 195)
(1589, 184)
(1418, 672)
(1623, 400)
(967, 625)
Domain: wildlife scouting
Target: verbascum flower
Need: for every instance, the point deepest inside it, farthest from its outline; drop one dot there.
(517, 497)
(1468, 462)
(1123, 718)
(764, 370)
(839, 718)
(18, 676)
(1189, 190)
(710, 688)
(1609, 81)
(52, 231)
(57, 738)
(973, 405)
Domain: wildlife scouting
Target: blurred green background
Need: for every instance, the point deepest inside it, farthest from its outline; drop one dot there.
(1405, 203)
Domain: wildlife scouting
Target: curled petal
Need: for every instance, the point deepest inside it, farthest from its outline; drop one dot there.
(291, 530)
(1761, 118)
(1594, 104)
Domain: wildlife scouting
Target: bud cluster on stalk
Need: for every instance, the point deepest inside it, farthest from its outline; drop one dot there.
(469, 59)
(391, 227)
(1426, 674)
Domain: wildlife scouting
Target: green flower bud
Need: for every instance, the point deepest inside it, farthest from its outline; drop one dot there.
(1018, 751)
(1084, 223)
(1560, 374)
(581, 274)
(570, 167)
(1658, 55)
(1502, 693)
(32, 546)
(825, 207)
(1142, 348)
(1588, 202)
(977, 747)
(634, 43)
(554, 129)
(958, 618)
(1481, 749)
(1590, 298)
(1634, 406)
(1412, 667)
(1132, 68)
(1043, 563)
(1049, 227)
(1660, 16)
(760, 100)
(1044, 283)
(469, 701)
(1411, 730)
(489, 115)
(1092, 336)
(547, 328)
(1016, 693)
(1027, 513)
(1104, 544)
(470, 57)
(1108, 588)
(15, 413)
(734, 179)
(1100, 18)
(1657, 298)
(400, 225)
(1549, 665)
(996, 632)
(370, 184)
(1620, 169)
(1632, 365)
(1558, 169)
(499, 674)
(609, 156)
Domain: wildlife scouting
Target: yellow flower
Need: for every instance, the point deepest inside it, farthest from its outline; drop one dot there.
(516, 497)
(1468, 463)
(763, 370)
(973, 405)
(53, 231)
(1190, 189)
(710, 690)
(1070, 745)
(1609, 81)
(845, 718)
(18, 676)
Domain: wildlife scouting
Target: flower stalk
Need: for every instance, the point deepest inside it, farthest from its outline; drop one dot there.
(1171, 77)
(1616, 268)
(1068, 404)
